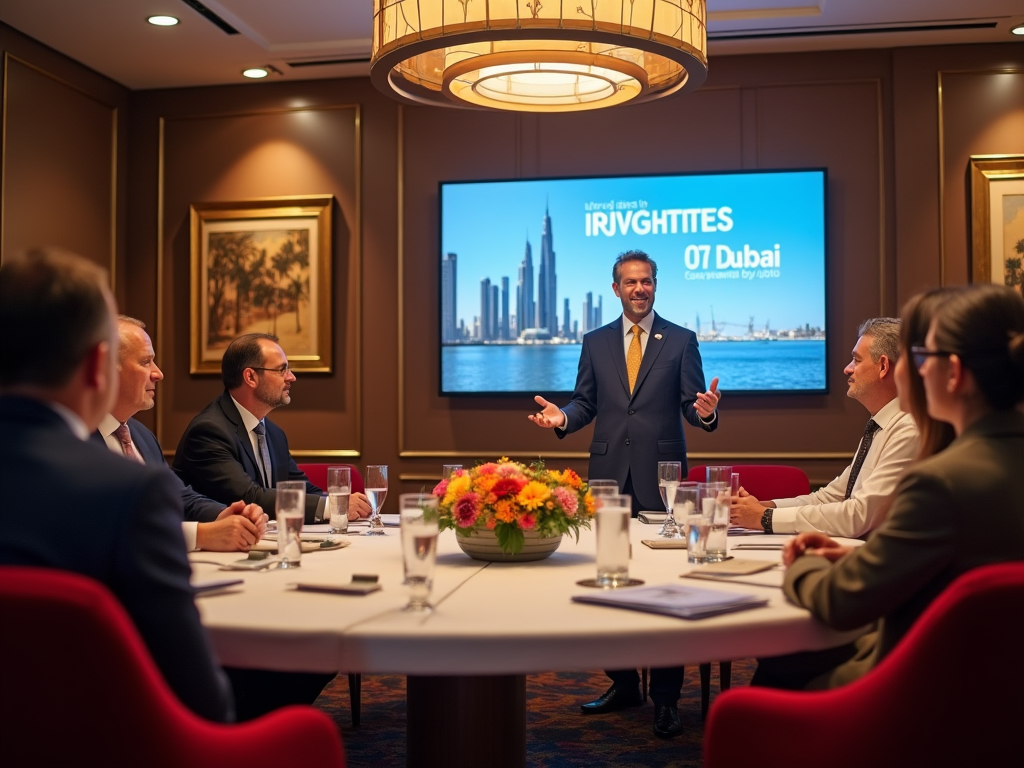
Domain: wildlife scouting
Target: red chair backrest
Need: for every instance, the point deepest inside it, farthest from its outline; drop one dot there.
(80, 688)
(317, 474)
(912, 709)
(764, 481)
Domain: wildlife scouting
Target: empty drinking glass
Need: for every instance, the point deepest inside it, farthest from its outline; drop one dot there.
(419, 528)
(603, 487)
(669, 476)
(719, 474)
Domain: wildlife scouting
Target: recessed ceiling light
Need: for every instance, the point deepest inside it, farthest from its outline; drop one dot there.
(255, 73)
(162, 21)
(1018, 30)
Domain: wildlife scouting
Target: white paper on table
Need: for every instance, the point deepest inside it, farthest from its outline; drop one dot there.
(390, 520)
(675, 600)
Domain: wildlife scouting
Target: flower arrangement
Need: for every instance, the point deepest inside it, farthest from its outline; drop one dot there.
(509, 498)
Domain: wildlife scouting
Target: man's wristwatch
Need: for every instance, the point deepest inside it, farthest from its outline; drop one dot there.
(766, 519)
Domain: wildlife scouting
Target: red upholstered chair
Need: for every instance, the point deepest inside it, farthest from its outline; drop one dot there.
(80, 688)
(762, 481)
(902, 713)
(317, 475)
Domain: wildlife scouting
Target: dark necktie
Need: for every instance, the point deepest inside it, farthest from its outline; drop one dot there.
(869, 434)
(261, 440)
(125, 438)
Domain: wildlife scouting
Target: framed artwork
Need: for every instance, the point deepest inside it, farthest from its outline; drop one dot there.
(997, 220)
(262, 266)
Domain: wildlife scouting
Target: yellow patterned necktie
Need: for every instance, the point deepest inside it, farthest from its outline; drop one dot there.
(633, 356)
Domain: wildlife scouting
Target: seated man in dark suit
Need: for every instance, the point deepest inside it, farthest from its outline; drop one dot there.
(232, 451)
(116, 521)
(208, 524)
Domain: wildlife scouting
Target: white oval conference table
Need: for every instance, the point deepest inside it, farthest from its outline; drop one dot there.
(493, 623)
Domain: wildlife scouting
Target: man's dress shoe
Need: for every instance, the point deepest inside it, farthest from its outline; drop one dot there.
(666, 721)
(612, 700)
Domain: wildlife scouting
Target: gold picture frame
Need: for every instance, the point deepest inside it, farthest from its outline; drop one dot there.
(262, 265)
(997, 220)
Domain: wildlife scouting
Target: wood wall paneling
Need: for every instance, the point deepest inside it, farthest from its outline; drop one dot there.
(60, 166)
(253, 155)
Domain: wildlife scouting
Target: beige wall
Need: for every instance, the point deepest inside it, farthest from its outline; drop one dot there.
(897, 200)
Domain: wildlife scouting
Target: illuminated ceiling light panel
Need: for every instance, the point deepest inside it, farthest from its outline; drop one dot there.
(537, 56)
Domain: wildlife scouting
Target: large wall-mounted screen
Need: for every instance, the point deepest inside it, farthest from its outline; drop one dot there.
(526, 273)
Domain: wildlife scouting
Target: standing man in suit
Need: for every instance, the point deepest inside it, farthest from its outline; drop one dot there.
(208, 524)
(116, 521)
(638, 376)
(231, 450)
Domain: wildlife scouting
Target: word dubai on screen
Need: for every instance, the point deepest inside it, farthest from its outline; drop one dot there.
(526, 273)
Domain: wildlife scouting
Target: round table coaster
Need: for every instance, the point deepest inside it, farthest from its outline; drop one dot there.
(593, 583)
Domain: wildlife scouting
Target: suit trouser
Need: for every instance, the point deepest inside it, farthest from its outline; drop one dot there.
(259, 691)
(666, 683)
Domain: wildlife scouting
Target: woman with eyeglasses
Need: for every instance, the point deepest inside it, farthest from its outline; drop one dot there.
(953, 511)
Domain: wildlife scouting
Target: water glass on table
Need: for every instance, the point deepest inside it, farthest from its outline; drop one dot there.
(290, 505)
(715, 507)
(611, 516)
(339, 490)
(447, 470)
(687, 504)
(417, 513)
(603, 487)
(719, 474)
(670, 474)
(376, 483)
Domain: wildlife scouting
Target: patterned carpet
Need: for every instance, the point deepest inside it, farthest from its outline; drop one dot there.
(557, 735)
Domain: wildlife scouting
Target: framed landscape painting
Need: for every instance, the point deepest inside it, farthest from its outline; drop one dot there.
(262, 266)
(997, 220)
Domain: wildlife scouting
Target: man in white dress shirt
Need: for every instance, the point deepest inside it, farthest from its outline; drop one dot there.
(854, 503)
(208, 524)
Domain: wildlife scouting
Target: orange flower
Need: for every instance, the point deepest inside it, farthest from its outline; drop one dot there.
(588, 502)
(505, 511)
(485, 483)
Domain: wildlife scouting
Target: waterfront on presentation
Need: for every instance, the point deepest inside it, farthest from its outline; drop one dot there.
(740, 365)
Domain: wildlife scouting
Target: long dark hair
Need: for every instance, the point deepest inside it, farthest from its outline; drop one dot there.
(917, 316)
(983, 325)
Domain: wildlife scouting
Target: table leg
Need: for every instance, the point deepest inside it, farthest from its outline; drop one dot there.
(466, 722)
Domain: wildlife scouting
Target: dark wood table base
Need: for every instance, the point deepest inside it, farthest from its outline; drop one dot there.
(466, 722)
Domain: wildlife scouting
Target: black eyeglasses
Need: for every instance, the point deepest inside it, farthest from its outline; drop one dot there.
(283, 371)
(921, 354)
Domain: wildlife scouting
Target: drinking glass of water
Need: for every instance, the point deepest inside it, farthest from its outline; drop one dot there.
(447, 470)
(376, 489)
(419, 527)
(290, 507)
(611, 515)
(669, 477)
(715, 506)
(339, 489)
(601, 487)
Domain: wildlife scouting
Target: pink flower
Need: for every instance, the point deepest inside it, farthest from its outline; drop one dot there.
(489, 468)
(441, 488)
(528, 522)
(567, 499)
(467, 510)
(508, 470)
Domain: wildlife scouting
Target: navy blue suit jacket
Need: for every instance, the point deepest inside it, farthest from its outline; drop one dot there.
(116, 521)
(634, 432)
(198, 508)
(215, 457)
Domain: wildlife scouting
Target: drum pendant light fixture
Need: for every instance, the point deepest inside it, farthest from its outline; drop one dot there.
(538, 55)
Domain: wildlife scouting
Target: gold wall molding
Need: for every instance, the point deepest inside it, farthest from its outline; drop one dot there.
(354, 291)
(114, 111)
(942, 153)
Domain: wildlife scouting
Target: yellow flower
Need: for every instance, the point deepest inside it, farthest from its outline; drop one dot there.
(457, 487)
(588, 503)
(533, 495)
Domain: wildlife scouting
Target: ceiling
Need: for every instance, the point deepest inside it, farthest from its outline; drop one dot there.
(312, 39)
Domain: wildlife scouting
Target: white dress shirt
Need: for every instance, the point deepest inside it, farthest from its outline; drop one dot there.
(826, 510)
(250, 423)
(189, 528)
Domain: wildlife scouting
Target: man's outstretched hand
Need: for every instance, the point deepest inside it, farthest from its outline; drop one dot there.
(707, 402)
(550, 414)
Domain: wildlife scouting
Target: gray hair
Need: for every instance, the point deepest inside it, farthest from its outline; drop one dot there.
(123, 335)
(885, 337)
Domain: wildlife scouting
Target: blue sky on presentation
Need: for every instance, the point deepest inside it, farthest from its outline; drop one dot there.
(739, 218)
